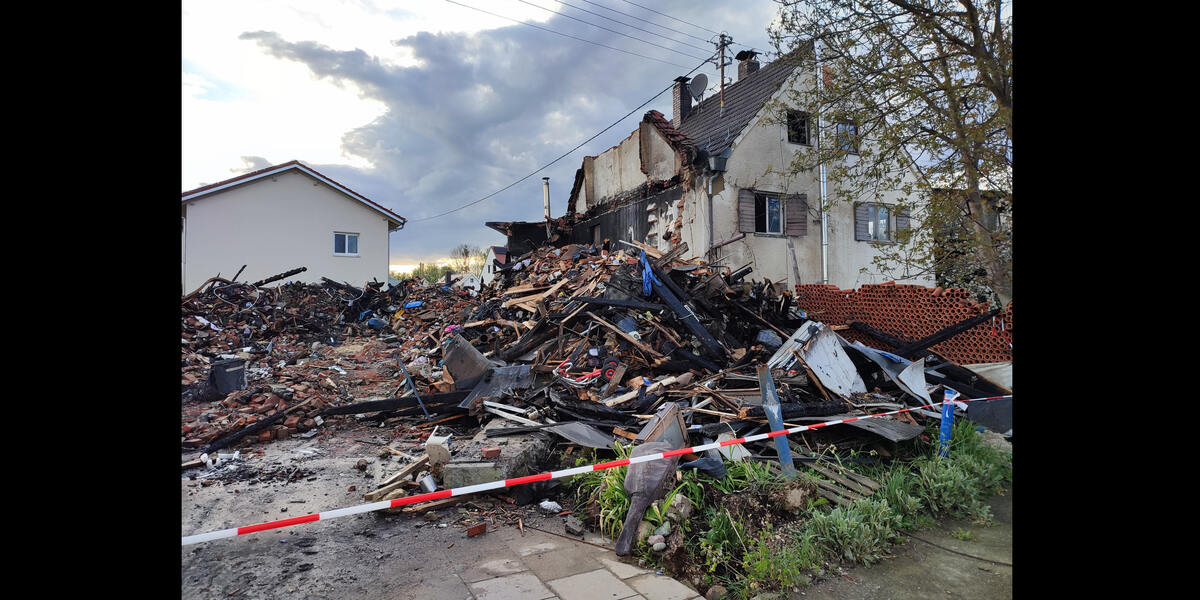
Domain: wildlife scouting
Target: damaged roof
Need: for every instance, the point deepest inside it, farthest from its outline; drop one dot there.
(712, 132)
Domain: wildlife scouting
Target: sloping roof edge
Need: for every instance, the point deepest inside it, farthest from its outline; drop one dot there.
(220, 186)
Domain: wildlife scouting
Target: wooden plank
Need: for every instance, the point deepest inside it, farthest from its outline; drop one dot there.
(626, 336)
(394, 481)
(629, 435)
(850, 485)
(863, 479)
(833, 488)
(833, 496)
(428, 506)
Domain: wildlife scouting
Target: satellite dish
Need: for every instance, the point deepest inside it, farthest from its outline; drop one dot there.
(697, 86)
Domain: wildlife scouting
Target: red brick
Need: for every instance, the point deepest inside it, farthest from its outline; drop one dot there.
(291, 422)
(491, 452)
(266, 436)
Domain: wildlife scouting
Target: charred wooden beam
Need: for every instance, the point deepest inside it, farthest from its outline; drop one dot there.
(275, 278)
(911, 350)
(634, 304)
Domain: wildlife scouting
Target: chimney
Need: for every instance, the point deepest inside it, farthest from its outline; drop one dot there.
(746, 63)
(681, 102)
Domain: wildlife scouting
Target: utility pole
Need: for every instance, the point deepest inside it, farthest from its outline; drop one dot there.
(724, 42)
(546, 204)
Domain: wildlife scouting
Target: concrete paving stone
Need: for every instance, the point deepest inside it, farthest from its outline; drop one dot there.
(562, 562)
(447, 586)
(593, 585)
(521, 586)
(623, 570)
(660, 587)
(534, 542)
(492, 567)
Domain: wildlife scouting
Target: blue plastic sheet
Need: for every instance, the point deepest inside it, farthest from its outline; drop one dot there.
(648, 277)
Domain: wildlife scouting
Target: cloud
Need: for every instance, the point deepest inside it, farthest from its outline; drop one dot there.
(252, 163)
(472, 112)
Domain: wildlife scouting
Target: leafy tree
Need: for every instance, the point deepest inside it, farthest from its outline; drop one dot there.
(928, 85)
(465, 258)
(431, 273)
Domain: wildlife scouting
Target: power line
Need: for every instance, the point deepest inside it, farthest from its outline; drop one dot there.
(570, 36)
(659, 35)
(612, 30)
(564, 155)
(670, 17)
(646, 21)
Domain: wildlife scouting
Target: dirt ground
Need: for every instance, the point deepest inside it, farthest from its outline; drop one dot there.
(378, 555)
(372, 555)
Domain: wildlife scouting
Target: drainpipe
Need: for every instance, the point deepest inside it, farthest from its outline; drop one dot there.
(711, 234)
(820, 134)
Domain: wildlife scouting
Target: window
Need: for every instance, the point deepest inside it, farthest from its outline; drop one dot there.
(768, 214)
(878, 222)
(797, 125)
(847, 136)
(345, 244)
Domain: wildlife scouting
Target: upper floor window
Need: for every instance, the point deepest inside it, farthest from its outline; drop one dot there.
(797, 126)
(345, 244)
(847, 136)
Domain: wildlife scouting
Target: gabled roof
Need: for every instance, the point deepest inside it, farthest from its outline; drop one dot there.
(712, 132)
(296, 165)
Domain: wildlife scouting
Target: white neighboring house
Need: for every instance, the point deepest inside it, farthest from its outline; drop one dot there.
(467, 280)
(495, 254)
(283, 217)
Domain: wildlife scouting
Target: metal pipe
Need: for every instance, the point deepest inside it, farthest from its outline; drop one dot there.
(711, 233)
(820, 135)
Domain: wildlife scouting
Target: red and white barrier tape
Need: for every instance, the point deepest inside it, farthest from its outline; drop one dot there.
(483, 487)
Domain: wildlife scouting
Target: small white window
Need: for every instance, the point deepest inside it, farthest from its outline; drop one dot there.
(345, 244)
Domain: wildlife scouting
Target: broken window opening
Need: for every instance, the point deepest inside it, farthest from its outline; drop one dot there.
(797, 126)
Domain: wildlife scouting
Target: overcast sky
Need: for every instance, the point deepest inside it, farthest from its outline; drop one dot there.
(423, 106)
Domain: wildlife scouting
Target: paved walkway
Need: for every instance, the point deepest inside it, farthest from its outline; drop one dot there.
(539, 566)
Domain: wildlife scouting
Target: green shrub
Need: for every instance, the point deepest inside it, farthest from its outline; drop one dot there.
(772, 564)
(860, 532)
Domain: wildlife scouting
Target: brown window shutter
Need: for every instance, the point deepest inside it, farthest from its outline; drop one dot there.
(861, 216)
(902, 219)
(746, 210)
(797, 214)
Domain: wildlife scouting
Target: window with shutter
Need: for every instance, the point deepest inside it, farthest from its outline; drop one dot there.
(878, 222)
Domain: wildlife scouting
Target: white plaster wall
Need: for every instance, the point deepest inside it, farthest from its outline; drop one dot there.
(757, 155)
(618, 169)
(276, 224)
(662, 163)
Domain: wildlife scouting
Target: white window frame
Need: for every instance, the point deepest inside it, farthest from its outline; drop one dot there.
(767, 216)
(873, 222)
(347, 243)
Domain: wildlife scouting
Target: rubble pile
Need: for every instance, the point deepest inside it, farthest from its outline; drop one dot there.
(575, 345)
